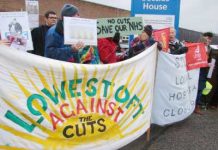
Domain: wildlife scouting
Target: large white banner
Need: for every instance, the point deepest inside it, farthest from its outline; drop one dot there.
(50, 104)
(175, 89)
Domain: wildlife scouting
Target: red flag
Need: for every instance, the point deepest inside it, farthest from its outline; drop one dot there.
(163, 36)
(196, 57)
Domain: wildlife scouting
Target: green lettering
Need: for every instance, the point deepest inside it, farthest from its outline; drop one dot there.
(53, 98)
(107, 84)
(30, 101)
(62, 92)
(126, 96)
(29, 127)
(131, 101)
(72, 87)
(140, 109)
(92, 88)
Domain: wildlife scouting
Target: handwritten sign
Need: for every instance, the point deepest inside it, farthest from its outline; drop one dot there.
(107, 27)
(175, 89)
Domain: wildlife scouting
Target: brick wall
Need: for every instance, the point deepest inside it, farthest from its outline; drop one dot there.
(12, 5)
(87, 9)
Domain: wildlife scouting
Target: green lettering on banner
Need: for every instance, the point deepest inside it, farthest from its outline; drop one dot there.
(30, 106)
(72, 87)
(29, 127)
(93, 90)
(131, 101)
(62, 92)
(126, 94)
(135, 98)
(107, 27)
(140, 110)
(107, 84)
(55, 97)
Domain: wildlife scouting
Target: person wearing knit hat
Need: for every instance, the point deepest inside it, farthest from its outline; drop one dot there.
(69, 10)
(54, 41)
(148, 29)
(143, 41)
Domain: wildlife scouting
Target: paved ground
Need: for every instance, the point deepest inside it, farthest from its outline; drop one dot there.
(198, 132)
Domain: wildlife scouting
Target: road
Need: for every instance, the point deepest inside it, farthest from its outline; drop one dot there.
(197, 132)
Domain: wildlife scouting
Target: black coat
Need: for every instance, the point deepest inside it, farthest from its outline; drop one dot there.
(38, 38)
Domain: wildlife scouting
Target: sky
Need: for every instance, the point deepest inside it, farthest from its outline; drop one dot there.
(197, 15)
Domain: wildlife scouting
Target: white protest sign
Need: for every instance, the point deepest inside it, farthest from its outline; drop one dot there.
(80, 29)
(175, 89)
(14, 26)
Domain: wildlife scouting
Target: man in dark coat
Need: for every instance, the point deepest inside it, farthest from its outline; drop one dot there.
(39, 33)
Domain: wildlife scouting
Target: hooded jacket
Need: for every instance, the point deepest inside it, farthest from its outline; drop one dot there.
(107, 50)
(55, 47)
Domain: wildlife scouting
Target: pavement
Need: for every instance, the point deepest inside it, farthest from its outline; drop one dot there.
(197, 132)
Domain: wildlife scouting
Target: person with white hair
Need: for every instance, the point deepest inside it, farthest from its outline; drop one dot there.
(176, 47)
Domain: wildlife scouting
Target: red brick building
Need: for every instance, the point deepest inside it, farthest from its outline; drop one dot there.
(87, 9)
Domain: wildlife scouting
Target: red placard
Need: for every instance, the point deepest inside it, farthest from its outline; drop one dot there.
(196, 57)
(163, 36)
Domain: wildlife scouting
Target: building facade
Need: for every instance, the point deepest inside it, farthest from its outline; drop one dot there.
(87, 9)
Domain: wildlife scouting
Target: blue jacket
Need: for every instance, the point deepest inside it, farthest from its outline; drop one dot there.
(55, 48)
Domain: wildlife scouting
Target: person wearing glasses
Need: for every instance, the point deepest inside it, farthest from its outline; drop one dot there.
(54, 41)
(39, 33)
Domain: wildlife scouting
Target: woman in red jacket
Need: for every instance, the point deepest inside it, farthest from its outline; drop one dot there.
(107, 48)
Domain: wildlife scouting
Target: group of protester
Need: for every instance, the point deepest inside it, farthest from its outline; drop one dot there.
(48, 41)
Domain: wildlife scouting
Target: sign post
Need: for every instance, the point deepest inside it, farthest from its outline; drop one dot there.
(159, 14)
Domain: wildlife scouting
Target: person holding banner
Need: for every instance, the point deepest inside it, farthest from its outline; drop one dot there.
(54, 41)
(4, 42)
(39, 33)
(176, 47)
(143, 41)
